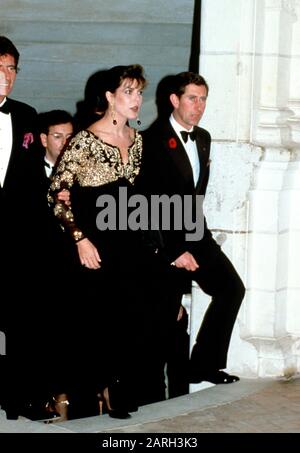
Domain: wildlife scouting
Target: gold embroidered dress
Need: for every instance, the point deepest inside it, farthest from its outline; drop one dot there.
(103, 307)
(89, 168)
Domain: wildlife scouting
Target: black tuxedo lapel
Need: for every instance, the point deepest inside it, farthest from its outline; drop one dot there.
(180, 158)
(178, 154)
(203, 148)
(23, 119)
(13, 154)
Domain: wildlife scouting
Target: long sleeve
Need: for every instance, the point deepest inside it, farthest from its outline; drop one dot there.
(90, 163)
(64, 178)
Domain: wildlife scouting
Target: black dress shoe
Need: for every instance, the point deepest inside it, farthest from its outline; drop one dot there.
(216, 377)
(132, 408)
(118, 413)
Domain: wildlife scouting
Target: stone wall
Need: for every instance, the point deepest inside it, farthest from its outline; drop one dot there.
(252, 66)
(63, 43)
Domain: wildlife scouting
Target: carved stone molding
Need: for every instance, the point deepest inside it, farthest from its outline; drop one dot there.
(273, 127)
(287, 5)
(277, 356)
(294, 106)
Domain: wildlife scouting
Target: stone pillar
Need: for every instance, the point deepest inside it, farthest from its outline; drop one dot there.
(294, 91)
(252, 202)
(260, 306)
(272, 73)
(272, 321)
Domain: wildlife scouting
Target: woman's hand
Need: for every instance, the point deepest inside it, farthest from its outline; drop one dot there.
(88, 254)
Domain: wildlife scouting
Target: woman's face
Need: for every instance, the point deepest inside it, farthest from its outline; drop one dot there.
(128, 99)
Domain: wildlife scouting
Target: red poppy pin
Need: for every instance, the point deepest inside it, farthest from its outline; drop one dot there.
(172, 143)
(27, 140)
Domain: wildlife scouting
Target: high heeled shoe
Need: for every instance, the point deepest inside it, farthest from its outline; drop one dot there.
(117, 411)
(59, 404)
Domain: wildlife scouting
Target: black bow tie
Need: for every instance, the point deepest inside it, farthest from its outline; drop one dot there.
(5, 108)
(48, 165)
(185, 135)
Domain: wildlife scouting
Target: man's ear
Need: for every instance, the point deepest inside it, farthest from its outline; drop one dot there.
(174, 100)
(44, 139)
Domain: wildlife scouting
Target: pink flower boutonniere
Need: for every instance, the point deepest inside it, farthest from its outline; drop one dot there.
(172, 143)
(27, 140)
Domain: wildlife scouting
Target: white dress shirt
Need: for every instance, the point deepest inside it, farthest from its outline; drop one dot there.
(190, 147)
(48, 167)
(5, 142)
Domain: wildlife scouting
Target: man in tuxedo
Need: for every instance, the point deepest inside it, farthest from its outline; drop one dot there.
(48, 260)
(17, 135)
(176, 162)
(55, 129)
(17, 138)
(20, 200)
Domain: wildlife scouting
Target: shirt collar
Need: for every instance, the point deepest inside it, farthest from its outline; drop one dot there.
(48, 163)
(177, 127)
(3, 102)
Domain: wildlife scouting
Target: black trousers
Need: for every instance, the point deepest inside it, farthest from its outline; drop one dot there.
(218, 278)
(177, 362)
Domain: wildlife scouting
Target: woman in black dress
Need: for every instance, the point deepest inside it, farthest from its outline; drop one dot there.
(108, 318)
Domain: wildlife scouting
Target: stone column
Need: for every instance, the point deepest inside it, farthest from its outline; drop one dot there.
(294, 89)
(272, 322)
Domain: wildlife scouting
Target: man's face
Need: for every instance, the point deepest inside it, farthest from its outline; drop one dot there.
(189, 108)
(8, 73)
(56, 139)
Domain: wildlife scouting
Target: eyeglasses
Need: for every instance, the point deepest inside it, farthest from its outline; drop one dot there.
(60, 136)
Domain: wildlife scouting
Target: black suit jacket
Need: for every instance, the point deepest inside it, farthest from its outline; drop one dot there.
(166, 170)
(13, 191)
(13, 201)
(49, 242)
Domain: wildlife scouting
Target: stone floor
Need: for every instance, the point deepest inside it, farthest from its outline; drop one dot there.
(248, 406)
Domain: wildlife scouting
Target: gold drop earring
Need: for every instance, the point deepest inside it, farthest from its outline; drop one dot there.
(113, 115)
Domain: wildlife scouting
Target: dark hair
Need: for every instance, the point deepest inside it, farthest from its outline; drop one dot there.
(113, 78)
(162, 96)
(52, 118)
(183, 79)
(94, 104)
(8, 48)
(86, 109)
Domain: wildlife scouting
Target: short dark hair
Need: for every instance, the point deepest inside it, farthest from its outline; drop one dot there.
(182, 79)
(52, 118)
(8, 48)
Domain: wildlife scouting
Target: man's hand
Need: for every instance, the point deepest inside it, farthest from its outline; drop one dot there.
(186, 261)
